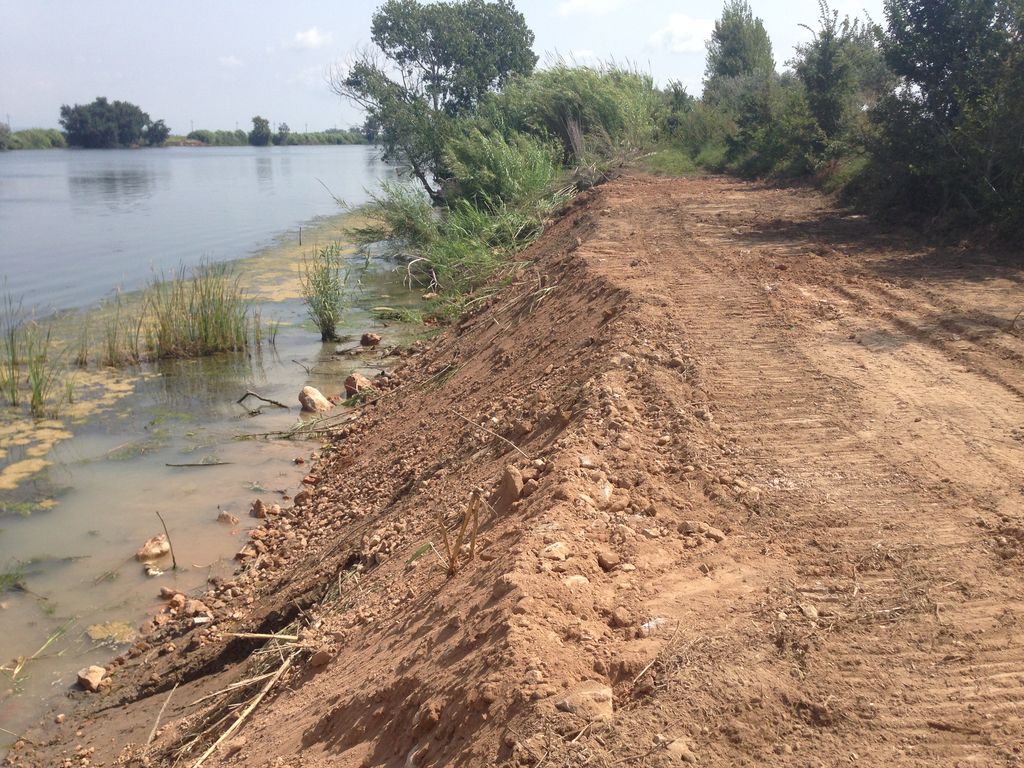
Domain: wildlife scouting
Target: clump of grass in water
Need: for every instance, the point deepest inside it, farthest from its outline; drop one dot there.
(10, 347)
(198, 313)
(44, 369)
(323, 289)
(122, 337)
(24, 343)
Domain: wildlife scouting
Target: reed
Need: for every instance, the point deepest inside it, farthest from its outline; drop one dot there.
(323, 288)
(10, 347)
(198, 312)
(44, 369)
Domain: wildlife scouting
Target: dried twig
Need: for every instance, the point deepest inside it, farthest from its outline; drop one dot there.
(160, 714)
(247, 711)
(493, 434)
(250, 393)
(174, 560)
(201, 464)
(259, 636)
(472, 514)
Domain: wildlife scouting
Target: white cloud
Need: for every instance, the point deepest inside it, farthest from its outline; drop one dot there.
(683, 34)
(596, 7)
(310, 40)
(230, 62)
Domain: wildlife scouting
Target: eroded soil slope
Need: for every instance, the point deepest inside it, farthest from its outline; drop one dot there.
(766, 509)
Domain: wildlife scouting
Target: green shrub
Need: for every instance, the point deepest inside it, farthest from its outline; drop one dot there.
(494, 171)
(669, 161)
(595, 113)
(38, 138)
(323, 288)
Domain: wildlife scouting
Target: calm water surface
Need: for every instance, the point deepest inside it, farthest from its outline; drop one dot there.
(76, 224)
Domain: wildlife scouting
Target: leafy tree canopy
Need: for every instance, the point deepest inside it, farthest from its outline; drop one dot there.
(260, 134)
(739, 48)
(953, 52)
(105, 124)
(433, 62)
(841, 69)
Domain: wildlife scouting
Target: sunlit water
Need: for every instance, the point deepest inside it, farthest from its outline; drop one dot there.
(70, 530)
(76, 224)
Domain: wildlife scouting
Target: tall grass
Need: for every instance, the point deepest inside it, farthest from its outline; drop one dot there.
(11, 319)
(323, 288)
(198, 312)
(43, 367)
(26, 355)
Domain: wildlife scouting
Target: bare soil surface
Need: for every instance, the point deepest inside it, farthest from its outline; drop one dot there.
(765, 507)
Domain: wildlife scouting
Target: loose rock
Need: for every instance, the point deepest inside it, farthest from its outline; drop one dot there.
(312, 400)
(158, 546)
(556, 551)
(370, 339)
(90, 678)
(608, 560)
(357, 383)
(590, 700)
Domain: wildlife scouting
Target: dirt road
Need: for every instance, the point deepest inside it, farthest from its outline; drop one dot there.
(765, 507)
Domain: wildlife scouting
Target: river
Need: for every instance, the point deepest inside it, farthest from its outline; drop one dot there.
(76, 226)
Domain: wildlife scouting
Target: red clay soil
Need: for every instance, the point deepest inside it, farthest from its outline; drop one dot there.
(766, 507)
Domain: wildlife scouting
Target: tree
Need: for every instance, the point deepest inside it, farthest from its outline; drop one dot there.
(259, 136)
(5, 136)
(432, 63)
(739, 48)
(950, 138)
(103, 124)
(156, 133)
(281, 137)
(842, 70)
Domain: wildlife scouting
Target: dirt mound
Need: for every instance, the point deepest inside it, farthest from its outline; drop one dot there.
(750, 483)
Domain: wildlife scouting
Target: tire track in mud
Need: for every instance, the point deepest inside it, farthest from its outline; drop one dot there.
(920, 653)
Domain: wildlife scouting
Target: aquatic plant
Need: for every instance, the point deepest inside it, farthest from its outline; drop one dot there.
(198, 312)
(10, 347)
(323, 288)
(43, 367)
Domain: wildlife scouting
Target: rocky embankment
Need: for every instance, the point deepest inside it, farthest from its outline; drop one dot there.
(635, 509)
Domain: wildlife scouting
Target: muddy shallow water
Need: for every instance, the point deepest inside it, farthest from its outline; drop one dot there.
(92, 478)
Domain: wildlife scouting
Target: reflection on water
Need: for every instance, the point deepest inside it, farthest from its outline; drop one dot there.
(265, 172)
(113, 189)
(76, 223)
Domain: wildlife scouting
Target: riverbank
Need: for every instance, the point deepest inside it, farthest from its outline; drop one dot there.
(741, 481)
(78, 491)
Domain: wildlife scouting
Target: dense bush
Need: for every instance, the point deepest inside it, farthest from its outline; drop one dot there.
(925, 115)
(37, 138)
(106, 124)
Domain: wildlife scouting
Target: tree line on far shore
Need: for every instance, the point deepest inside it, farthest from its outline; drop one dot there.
(107, 124)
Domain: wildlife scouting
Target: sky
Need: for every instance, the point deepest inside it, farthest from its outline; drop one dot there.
(217, 63)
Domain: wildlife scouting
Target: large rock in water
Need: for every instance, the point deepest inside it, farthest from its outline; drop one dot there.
(158, 546)
(357, 383)
(313, 400)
